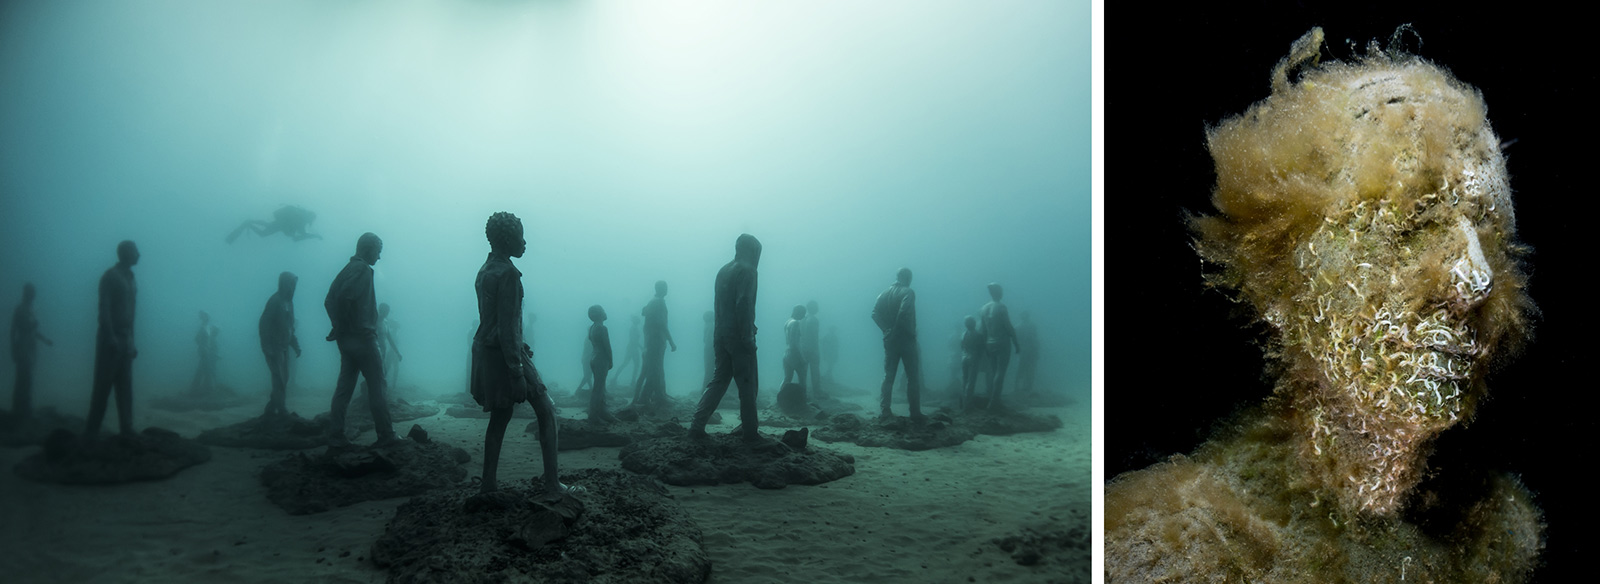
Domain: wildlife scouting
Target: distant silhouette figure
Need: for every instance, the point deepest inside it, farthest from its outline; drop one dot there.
(205, 375)
(353, 309)
(25, 336)
(794, 362)
(710, 354)
(974, 350)
(588, 356)
(630, 355)
(995, 324)
(1027, 353)
(735, 341)
(114, 350)
(651, 389)
(388, 350)
(830, 352)
(502, 364)
(288, 219)
(276, 329)
(896, 315)
(600, 364)
(811, 349)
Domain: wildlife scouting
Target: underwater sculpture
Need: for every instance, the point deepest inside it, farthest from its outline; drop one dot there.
(600, 347)
(25, 337)
(974, 349)
(502, 365)
(995, 324)
(114, 350)
(388, 349)
(735, 341)
(289, 219)
(706, 338)
(205, 374)
(1364, 214)
(352, 308)
(651, 388)
(794, 363)
(811, 348)
(896, 315)
(830, 351)
(276, 329)
(631, 353)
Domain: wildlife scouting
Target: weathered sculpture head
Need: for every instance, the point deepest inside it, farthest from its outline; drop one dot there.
(661, 288)
(799, 312)
(995, 291)
(369, 247)
(127, 253)
(597, 314)
(747, 249)
(972, 323)
(383, 310)
(811, 307)
(504, 231)
(286, 284)
(903, 277)
(205, 318)
(1364, 213)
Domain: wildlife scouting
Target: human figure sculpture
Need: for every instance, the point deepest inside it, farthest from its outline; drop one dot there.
(599, 365)
(995, 324)
(502, 364)
(353, 309)
(811, 349)
(25, 337)
(630, 355)
(794, 361)
(205, 340)
(288, 219)
(587, 358)
(651, 389)
(276, 329)
(388, 349)
(830, 351)
(974, 349)
(735, 341)
(1364, 217)
(114, 349)
(710, 352)
(896, 315)
(1027, 353)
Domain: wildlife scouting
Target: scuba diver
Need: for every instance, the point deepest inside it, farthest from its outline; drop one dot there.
(289, 219)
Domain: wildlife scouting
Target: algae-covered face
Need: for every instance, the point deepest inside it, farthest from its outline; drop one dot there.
(1366, 214)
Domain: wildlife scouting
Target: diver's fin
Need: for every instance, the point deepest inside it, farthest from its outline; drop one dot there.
(237, 231)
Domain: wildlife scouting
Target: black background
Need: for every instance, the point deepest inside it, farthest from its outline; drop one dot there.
(1180, 358)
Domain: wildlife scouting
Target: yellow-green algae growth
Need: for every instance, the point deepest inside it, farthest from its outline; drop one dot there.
(1364, 214)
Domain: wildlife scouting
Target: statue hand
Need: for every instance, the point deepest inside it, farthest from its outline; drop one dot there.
(674, 346)
(297, 352)
(330, 336)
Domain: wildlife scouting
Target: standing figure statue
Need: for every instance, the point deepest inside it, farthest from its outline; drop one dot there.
(289, 219)
(600, 348)
(896, 315)
(735, 341)
(651, 389)
(974, 349)
(811, 349)
(502, 364)
(276, 328)
(794, 361)
(387, 348)
(25, 336)
(205, 375)
(995, 324)
(830, 352)
(114, 350)
(353, 309)
(630, 355)
(588, 357)
(710, 353)
(1027, 353)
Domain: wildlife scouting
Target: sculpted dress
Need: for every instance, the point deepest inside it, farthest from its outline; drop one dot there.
(497, 348)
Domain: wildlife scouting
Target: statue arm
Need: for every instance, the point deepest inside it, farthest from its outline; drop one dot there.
(508, 303)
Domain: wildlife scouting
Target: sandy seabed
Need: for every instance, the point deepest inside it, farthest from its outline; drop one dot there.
(902, 517)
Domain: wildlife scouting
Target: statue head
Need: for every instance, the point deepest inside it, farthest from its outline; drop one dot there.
(903, 277)
(505, 234)
(661, 288)
(286, 283)
(383, 310)
(204, 318)
(972, 323)
(811, 307)
(1365, 214)
(798, 313)
(597, 314)
(127, 253)
(995, 291)
(747, 249)
(369, 247)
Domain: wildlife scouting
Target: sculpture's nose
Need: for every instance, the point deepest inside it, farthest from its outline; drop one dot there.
(1472, 276)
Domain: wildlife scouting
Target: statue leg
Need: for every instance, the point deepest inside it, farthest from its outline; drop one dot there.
(997, 371)
(891, 365)
(597, 395)
(101, 391)
(745, 375)
(498, 419)
(277, 365)
(346, 387)
(912, 358)
(122, 381)
(549, 440)
(715, 389)
(22, 393)
(371, 362)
